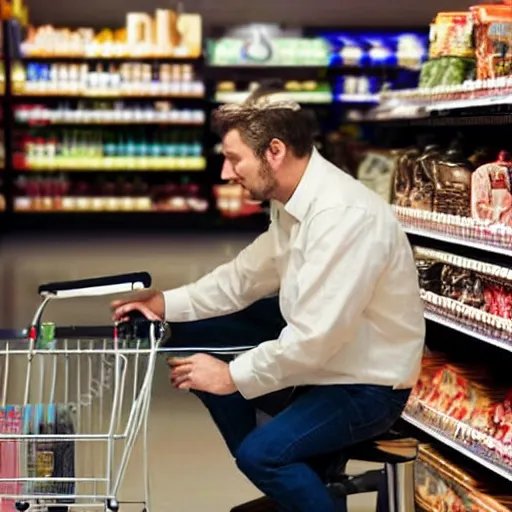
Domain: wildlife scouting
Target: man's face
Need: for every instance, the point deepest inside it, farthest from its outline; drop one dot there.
(242, 166)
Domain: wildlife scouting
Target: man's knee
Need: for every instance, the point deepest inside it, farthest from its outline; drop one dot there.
(248, 460)
(255, 459)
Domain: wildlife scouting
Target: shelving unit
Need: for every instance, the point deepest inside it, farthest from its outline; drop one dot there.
(478, 249)
(434, 147)
(468, 331)
(104, 125)
(454, 239)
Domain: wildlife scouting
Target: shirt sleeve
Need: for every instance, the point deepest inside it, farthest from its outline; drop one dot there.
(343, 260)
(231, 287)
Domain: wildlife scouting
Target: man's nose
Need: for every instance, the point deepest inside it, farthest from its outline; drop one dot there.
(227, 173)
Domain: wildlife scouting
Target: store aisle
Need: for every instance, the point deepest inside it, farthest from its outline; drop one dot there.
(191, 469)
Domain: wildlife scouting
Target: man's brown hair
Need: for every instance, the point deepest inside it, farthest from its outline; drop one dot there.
(258, 125)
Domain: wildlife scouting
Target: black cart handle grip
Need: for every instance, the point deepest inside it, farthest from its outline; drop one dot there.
(95, 286)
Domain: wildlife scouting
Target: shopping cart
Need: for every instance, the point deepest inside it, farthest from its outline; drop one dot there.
(73, 403)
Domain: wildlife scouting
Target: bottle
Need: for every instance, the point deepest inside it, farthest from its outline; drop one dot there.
(46, 339)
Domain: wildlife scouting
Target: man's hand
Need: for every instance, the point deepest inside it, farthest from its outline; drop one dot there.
(202, 373)
(150, 303)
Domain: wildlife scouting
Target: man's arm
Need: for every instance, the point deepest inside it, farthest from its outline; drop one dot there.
(343, 261)
(230, 287)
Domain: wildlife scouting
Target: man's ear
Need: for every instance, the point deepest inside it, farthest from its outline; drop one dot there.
(276, 151)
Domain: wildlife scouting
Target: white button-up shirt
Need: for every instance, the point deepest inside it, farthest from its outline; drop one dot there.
(348, 291)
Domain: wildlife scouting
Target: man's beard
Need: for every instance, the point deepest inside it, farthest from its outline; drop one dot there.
(268, 183)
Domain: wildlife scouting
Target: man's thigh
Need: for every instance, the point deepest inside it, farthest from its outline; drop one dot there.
(326, 419)
(261, 321)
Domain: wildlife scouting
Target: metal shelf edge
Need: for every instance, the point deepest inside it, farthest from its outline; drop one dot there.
(458, 241)
(466, 330)
(458, 447)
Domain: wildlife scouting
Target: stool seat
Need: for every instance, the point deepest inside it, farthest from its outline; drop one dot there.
(390, 448)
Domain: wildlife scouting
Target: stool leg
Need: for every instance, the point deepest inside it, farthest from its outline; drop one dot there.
(400, 479)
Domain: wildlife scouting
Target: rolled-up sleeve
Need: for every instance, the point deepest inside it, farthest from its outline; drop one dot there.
(343, 260)
(231, 287)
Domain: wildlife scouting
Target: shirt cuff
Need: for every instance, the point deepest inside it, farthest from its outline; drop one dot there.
(249, 384)
(243, 376)
(178, 306)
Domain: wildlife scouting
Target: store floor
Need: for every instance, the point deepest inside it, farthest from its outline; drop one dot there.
(191, 469)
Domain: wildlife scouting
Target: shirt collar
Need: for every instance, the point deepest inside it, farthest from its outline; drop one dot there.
(298, 205)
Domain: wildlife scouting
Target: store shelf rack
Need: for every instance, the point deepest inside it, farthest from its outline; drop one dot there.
(495, 262)
(476, 119)
(468, 331)
(464, 242)
(58, 83)
(503, 471)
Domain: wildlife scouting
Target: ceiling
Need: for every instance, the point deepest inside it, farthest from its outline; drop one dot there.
(348, 13)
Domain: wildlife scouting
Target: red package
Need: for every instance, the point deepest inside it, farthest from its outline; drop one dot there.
(491, 300)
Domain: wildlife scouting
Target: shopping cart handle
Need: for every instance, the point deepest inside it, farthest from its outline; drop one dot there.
(97, 285)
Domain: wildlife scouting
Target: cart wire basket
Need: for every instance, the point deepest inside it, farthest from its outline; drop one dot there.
(74, 401)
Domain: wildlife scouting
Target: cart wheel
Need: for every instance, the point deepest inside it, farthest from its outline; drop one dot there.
(21, 506)
(112, 506)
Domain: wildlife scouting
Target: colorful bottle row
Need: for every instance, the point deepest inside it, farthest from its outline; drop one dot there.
(113, 80)
(98, 112)
(164, 32)
(34, 194)
(101, 149)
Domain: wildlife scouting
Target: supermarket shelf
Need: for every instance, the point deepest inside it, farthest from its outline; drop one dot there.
(438, 107)
(110, 164)
(166, 59)
(112, 170)
(446, 440)
(313, 97)
(263, 67)
(483, 119)
(452, 239)
(101, 96)
(446, 322)
(316, 97)
(357, 98)
(241, 70)
(129, 123)
(246, 73)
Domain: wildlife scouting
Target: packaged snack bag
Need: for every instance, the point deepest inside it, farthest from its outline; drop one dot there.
(451, 35)
(491, 191)
(493, 40)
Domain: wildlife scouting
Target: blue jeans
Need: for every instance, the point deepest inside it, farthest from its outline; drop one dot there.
(279, 457)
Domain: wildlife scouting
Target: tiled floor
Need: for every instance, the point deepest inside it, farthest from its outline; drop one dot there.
(191, 469)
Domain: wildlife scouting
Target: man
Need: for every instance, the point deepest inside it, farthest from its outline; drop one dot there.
(337, 367)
